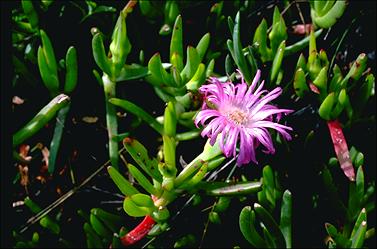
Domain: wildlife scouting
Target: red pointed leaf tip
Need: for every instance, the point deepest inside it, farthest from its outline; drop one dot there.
(138, 232)
(313, 88)
(127, 140)
(341, 149)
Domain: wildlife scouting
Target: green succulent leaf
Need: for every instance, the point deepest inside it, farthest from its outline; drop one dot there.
(140, 154)
(176, 44)
(139, 112)
(277, 61)
(42, 118)
(92, 238)
(248, 230)
(286, 218)
(142, 180)
(134, 210)
(326, 106)
(203, 46)
(192, 63)
(124, 186)
(271, 225)
(100, 228)
(99, 54)
(71, 70)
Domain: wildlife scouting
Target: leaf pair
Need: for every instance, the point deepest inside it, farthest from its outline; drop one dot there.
(120, 47)
(49, 70)
(274, 235)
(357, 237)
(325, 14)
(46, 221)
(182, 77)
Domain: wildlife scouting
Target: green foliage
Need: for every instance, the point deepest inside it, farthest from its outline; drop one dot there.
(182, 77)
(324, 14)
(333, 93)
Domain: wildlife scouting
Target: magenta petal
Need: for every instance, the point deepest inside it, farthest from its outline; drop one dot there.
(241, 117)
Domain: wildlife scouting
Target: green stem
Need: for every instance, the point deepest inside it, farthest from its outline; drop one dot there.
(111, 119)
(209, 152)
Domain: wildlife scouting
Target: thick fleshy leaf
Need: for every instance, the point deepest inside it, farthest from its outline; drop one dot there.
(222, 204)
(30, 12)
(270, 225)
(192, 63)
(337, 78)
(300, 45)
(362, 217)
(112, 221)
(49, 224)
(124, 186)
(132, 209)
(360, 183)
(197, 177)
(321, 82)
(239, 57)
(176, 44)
(299, 83)
(139, 112)
(116, 243)
(331, 230)
(42, 118)
(198, 79)
(100, 228)
(161, 214)
(142, 200)
(278, 32)
(215, 162)
(120, 46)
(132, 72)
(140, 154)
(286, 218)
(341, 149)
(359, 236)
(50, 79)
(203, 46)
(48, 52)
(269, 185)
(277, 60)
(332, 15)
(260, 41)
(92, 237)
(55, 142)
(99, 54)
(246, 223)
(142, 180)
(214, 217)
(364, 93)
(301, 63)
(71, 70)
(169, 150)
(230, 189)
(230, 25)
(326, 107)
(170, 120)
(158, 76)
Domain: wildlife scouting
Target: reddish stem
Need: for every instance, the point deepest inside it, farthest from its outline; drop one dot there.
(341, 149)
(138, 232)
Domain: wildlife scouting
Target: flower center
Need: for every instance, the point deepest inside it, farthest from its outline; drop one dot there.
(237, 116)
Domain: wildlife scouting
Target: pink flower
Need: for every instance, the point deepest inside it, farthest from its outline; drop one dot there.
(238, 112)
